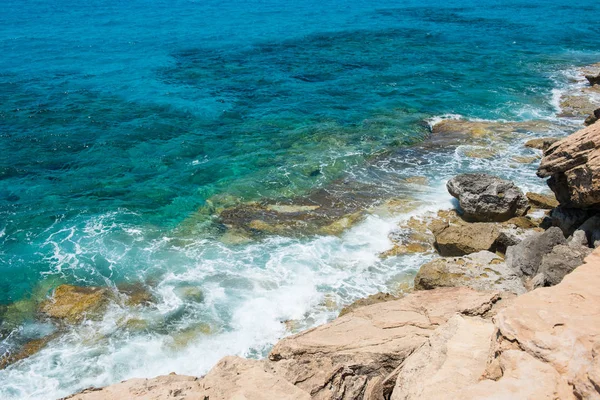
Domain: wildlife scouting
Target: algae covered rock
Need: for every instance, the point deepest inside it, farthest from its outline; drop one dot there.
(486, 198)
(544, 201)
(74, 303)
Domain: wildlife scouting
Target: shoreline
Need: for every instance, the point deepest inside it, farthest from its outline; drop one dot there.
(472, 143)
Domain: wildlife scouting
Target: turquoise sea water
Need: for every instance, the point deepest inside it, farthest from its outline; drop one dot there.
(119, 120)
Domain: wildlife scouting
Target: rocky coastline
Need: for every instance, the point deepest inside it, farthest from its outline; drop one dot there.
(507, 308)
(507, 311)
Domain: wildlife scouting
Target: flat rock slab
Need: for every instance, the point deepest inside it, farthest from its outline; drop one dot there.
(560, 326)
(480, 271)
(353, 354)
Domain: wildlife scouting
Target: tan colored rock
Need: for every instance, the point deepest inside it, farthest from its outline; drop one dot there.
(559, 326)
(573, 165)
(241, 379)
(454, 357)
(581, 103)
(523, 377)
(458, 240)
(367, 301)
(159, 388)
(541, 143)
(480, 271)
(355, 353)
(543, 201)
(232, 378)
(74, 303)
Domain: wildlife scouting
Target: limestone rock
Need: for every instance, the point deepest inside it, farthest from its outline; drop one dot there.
(526, 257)
(367, 301)
(573, 165)
(523, 377)
(487, 198)
(74, 303)
(544, 201)
(239, 378)
(159, 388)
(541, 143)
(454, 356)
(479, 271)
(559, 326)
(231, 378)
(561, 261)
(458, 240)
(353, 354)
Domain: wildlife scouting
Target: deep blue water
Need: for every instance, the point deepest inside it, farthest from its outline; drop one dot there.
(120, 119)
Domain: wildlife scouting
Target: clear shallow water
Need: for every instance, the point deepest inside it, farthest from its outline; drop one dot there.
(119, 120)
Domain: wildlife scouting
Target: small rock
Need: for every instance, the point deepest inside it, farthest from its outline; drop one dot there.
(593, 118)
(458, 240)
(487, 198)
(593, 79)
(525, 159)
(526, 257)
(29, 349)
(479, 271)
(190, 293)
(74, 303)
(544, 201)
(541, 143)
(367, 301)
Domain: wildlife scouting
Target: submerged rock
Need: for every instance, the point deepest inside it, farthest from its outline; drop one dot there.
(480, 271)
(487, 198)
(74, 303)
(573, 165)
(28, 349)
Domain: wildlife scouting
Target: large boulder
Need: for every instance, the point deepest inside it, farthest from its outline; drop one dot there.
(487, 198)
(573, 165)
(353, 356)
(526, 257)
(593, 79)
(458, 240)
(559, 326)
(479, 271)
(454, 356)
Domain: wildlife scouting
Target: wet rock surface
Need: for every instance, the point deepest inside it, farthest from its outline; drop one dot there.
(74, 303)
